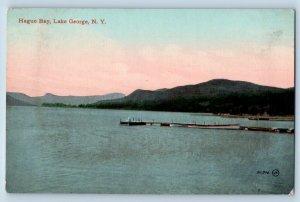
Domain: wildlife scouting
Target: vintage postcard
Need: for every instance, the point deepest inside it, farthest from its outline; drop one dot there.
(150, 101)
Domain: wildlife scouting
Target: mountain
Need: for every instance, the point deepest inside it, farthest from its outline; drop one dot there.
(11, 101)
(212, 88)
(215, 96)
(14, 98)
(76, 100)
(19, 98)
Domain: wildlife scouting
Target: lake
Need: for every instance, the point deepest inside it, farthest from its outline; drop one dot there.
(77, 150)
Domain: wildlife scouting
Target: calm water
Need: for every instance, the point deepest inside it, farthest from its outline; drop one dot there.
(87, 151)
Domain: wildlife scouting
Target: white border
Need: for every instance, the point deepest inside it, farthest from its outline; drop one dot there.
(4, 4)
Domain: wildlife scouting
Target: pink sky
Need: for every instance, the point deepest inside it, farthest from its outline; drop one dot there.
(68, 60)
(90, 72)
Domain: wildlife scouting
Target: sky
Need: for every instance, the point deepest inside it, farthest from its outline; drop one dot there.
(147, 49)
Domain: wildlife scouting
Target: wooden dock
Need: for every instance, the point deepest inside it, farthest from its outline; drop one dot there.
(208, 126)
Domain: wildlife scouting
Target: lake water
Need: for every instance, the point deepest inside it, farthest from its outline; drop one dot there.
(87, 151)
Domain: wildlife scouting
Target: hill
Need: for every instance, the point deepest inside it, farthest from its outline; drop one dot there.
(14, 98)
(11, 101)
(212, 88)
(215, 96)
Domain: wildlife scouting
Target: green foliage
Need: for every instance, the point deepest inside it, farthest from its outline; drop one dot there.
(58, 105)
(273, 103)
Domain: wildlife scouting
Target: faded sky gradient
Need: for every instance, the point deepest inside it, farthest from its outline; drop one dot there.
(147, 49)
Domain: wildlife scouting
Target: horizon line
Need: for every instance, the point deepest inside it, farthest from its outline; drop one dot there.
(147, 89)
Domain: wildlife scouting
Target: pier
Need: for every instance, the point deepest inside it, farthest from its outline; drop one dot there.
(207, 126)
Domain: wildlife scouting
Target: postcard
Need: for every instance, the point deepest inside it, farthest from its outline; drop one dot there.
(150, 101)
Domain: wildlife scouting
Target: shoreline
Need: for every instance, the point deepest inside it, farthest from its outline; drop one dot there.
(259, 117)
(224, 115)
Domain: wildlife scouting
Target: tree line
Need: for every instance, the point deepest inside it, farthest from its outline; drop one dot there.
(272, 103)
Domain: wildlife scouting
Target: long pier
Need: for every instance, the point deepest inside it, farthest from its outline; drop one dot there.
(208, 126)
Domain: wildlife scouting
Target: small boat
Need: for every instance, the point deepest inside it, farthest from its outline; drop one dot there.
(165, 124)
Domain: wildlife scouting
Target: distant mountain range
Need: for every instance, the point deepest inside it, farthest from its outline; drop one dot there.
(13, 98)
(214, 96)
(217, 96)
(210, 89)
